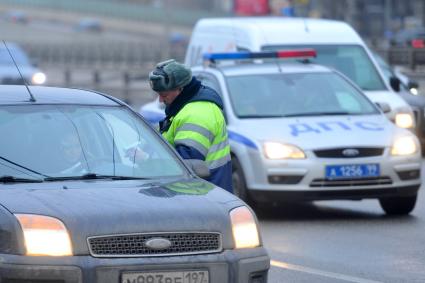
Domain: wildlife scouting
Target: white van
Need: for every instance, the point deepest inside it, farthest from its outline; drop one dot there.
(336, 43)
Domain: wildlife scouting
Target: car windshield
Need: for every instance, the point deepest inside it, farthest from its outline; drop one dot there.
(298, 94)
(351, 60)
(19, 56)
(387, 71)
(41, 141)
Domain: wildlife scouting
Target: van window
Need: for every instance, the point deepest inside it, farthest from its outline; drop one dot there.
(351, 60)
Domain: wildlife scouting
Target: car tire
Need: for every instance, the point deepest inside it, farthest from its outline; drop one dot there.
(398, 205)
(239, 183)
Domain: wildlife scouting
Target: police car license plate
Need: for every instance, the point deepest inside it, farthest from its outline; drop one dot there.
(185, 276)
(352, 171)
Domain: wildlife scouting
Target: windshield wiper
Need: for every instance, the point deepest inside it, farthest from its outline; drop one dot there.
(22, 166)
(93, 176)
(316, 114)
(13, 179)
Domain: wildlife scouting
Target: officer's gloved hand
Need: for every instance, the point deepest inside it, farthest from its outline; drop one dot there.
(136, 154)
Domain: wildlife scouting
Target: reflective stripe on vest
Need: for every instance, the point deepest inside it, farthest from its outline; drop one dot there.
(201, 125)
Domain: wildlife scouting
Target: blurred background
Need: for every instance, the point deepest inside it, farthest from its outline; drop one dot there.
(111, 45)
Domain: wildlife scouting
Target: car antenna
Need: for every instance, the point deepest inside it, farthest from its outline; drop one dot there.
(32, 99)
(266, 39)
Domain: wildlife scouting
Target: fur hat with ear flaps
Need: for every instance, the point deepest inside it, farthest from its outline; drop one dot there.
(169, 75)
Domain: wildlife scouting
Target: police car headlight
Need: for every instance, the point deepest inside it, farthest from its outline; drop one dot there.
(404, 146)
(404, 120)
(44, 235)
(276, 150)
(38, 78)
(244, 228)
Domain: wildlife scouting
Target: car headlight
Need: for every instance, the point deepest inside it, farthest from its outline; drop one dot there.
(44, 235)
(404, 120)
(276, 150)
(38, 78)
(244, 228)
(414, 91)
(404, 146)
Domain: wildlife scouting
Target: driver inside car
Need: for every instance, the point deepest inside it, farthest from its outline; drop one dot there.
(74, 158)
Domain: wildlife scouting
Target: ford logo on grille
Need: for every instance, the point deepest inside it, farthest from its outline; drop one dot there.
(158, 243)
(350, 152)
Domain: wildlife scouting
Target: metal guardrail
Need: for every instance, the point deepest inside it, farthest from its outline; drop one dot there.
(409, 57)
(134, 54)
(131, 86)
(102, 54)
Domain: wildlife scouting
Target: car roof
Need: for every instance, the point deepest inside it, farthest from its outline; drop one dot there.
(276, 30)
(18, 94)
(266, 68)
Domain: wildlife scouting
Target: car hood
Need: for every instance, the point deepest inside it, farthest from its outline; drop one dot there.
(97, 208)
(322, 132)
(396, 103)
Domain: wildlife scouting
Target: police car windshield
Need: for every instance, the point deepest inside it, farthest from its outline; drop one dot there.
(298, 94)
(61, 141)
(351, 60)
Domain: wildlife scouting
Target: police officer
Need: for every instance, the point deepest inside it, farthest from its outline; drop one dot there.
(194, 122)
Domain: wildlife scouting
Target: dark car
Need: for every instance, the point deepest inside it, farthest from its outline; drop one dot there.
(17, 16)
(414, 38)
(76, 205)
(89, 25)
(10, 75)
(404, 88)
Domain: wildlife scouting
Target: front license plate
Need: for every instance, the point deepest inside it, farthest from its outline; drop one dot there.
(186, 276)
(352, 171)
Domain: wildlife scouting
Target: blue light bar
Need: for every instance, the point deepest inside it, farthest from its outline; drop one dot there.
(226, 56)
(298, 53)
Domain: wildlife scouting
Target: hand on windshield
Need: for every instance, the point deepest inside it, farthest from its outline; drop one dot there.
(136, 154)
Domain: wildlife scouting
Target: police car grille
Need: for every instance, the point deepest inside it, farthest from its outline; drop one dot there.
(133, 245)
(338, 152)
(351, 182)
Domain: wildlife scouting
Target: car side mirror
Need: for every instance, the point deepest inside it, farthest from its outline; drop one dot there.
(199, 167)
(395, 84)
(385, 107)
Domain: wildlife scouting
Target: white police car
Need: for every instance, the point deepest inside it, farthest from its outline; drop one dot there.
(306, 132)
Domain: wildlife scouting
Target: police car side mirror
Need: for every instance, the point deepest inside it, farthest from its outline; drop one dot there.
(199, 167)
(385, 107)
(395, 84)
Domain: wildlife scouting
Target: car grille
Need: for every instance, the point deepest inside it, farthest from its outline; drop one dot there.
(416, 115)
(339, 152)
(420, 122)
(133, 245)
(351, 182)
